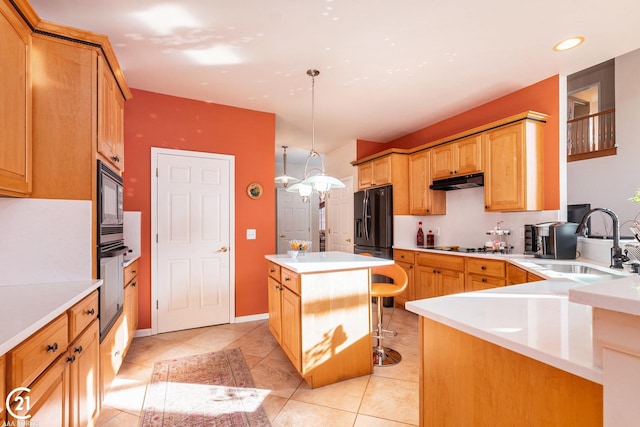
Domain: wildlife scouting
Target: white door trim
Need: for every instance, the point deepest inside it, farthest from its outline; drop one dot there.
(154, 227)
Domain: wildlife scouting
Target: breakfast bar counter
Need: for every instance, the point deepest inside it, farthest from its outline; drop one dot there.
(518, 354)
(319, 312)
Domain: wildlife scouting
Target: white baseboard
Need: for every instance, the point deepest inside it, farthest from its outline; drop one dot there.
(142, 333)
(242, 319)
(251, 318)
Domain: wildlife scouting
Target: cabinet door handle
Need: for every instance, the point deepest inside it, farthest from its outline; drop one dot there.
(52, 347)
(134, 272)
(91, 312)
(484, 280)
(286, 279)
(115, 158)
(117, 353)
(78, 349)
(435, 271)
(134, 284)
(71, 359)
(484, 267)
(272, 271)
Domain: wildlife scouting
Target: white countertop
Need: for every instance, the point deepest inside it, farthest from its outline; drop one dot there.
(622, 295)
(316, 262)
(534, 319)
(27, 308)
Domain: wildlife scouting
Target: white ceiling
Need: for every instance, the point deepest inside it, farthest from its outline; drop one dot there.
(386, 67)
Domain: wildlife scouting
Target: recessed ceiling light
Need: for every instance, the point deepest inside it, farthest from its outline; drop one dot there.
(568, 44)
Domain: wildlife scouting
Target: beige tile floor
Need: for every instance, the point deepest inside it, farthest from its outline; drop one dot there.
(388, 397)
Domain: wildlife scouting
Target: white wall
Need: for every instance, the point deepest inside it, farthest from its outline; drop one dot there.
(44, 240)
(466, 222)
(609, 181)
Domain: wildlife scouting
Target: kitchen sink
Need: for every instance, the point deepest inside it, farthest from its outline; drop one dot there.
(588, 274)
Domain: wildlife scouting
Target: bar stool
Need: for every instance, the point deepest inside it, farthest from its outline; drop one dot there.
(385, 356)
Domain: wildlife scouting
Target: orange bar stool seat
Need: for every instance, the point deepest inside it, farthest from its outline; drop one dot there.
(385, 356)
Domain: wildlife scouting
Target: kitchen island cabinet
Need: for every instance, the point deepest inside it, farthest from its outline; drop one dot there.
(319, 312)
(15, 103)
(517, 355)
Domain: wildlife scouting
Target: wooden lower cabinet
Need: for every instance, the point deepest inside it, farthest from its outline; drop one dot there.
(112, 351)
(437, 275)
(130, 308)
(62, 379)
(48, 397)
(466, 381)
(405, 259)
(291, 324)
(83, 357)
(483, 273)
(3, 394)
(322, 322)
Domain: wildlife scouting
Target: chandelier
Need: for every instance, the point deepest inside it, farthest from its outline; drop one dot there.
(315, 179)
(285, 179)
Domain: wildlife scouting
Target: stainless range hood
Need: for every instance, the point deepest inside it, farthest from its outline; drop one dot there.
(458, 182)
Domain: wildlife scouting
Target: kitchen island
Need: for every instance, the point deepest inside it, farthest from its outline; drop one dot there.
(319, 312)
(515, 355)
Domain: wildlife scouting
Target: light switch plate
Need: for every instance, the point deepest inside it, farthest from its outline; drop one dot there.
(251, 233)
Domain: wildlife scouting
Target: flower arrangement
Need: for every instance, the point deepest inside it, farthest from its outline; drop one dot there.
(300, 245)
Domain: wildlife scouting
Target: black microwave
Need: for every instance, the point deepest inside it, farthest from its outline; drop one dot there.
(110, 205)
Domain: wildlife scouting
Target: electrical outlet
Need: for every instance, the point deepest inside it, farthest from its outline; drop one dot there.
(251, 233)
(437, 231)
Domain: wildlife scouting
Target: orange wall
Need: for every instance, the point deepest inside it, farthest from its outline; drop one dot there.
(542, 97)
(156, 120)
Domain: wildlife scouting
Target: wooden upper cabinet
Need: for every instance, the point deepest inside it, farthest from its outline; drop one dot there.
(513, 167)
(389, 169)
(110, 117)
(461, 157)
(422, 200)
(15, 104)
(374, 173)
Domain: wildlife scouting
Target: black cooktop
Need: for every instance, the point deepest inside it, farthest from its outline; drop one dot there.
(462, 249)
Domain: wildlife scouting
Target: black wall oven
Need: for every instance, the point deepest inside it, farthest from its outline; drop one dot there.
(111, 248)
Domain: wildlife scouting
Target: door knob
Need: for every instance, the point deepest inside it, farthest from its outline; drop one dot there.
(282, 236)
(223, 249)
(349, 240)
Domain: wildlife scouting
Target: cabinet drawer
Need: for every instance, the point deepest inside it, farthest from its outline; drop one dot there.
(291, 280)
(447, 262)
(130, 272)
(478, 283)
(486, 267)
(404, 256)
(30, 358)
(274, 271)
(82, 314)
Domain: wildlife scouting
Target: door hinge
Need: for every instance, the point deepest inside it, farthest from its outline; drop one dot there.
(156, 172)
(157, 306)
(156, 237)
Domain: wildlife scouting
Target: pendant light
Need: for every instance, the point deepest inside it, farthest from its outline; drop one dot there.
(285, 179)
(315, 179)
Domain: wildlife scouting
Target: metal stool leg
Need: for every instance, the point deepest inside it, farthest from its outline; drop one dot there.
(383, 356)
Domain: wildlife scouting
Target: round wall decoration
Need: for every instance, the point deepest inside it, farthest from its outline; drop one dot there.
(254, 190)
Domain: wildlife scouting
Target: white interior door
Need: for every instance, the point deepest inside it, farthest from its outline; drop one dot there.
(294, 220)
(194, 231)
(340, 218)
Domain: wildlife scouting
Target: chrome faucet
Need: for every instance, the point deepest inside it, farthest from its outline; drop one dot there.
(617, 257)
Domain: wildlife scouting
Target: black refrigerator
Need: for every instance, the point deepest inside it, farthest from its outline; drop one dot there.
(373, 221)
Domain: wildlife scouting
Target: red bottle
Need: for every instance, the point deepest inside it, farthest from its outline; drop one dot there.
(420, 236)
